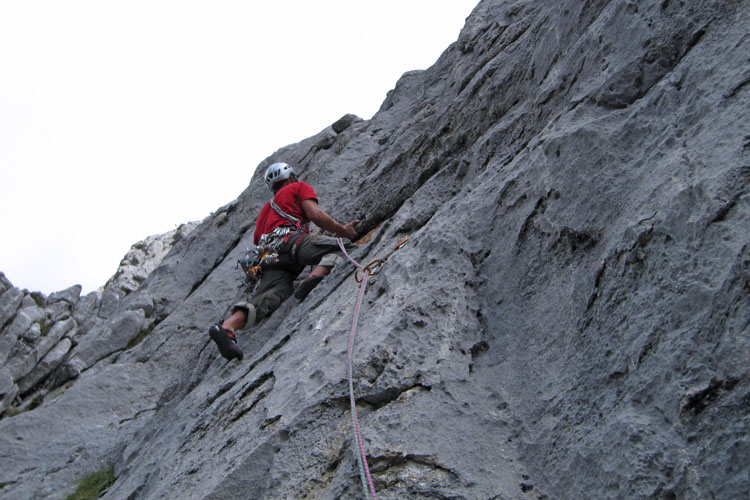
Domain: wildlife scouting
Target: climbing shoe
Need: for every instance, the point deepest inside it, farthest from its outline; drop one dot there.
(225, 341)
(307, 285)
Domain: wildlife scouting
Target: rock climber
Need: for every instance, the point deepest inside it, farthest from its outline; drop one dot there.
(282, 230)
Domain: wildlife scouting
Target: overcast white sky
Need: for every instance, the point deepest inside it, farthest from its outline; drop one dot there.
(119, 120)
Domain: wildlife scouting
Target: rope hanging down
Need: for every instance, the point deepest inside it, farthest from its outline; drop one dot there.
(370, 269)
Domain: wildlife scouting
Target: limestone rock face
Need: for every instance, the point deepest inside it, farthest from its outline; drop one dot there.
(46, 341)
(144, 256)
(570, 317)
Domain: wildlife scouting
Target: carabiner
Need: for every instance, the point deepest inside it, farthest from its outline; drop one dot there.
(372, 269)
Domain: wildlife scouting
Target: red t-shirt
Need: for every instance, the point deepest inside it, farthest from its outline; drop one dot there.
(289, 199)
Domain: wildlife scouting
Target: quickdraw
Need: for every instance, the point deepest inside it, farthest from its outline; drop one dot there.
(373, 267)
(254, 273)
(266, 252)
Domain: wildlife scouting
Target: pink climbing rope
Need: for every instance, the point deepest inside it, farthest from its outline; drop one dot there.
(364, 470)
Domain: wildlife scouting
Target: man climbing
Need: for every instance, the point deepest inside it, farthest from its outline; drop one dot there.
(282, 232)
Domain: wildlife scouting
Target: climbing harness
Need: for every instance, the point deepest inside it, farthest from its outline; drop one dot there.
(267, 250)
(298, 226)
(370, 269)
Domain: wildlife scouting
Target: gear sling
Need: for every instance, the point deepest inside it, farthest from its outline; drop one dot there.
(266, 252)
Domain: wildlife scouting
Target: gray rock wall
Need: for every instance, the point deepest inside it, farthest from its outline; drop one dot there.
(569, 318)
(47, 341)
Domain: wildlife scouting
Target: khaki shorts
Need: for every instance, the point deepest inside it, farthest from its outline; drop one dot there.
(276, 283)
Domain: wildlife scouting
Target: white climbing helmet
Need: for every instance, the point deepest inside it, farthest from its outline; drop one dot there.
(278, 172)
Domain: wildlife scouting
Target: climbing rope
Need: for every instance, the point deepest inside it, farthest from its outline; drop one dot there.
(370, 269)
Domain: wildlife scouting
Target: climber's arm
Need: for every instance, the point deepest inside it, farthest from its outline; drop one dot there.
(325, 222)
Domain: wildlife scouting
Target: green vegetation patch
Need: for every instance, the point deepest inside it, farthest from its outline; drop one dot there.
(177, 236)
(36, 402)
(93, 485)
(145, 332)
(45, 325)
(340, 145)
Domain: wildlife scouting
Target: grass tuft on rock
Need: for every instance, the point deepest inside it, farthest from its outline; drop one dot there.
(145, 332)
(93, 485)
